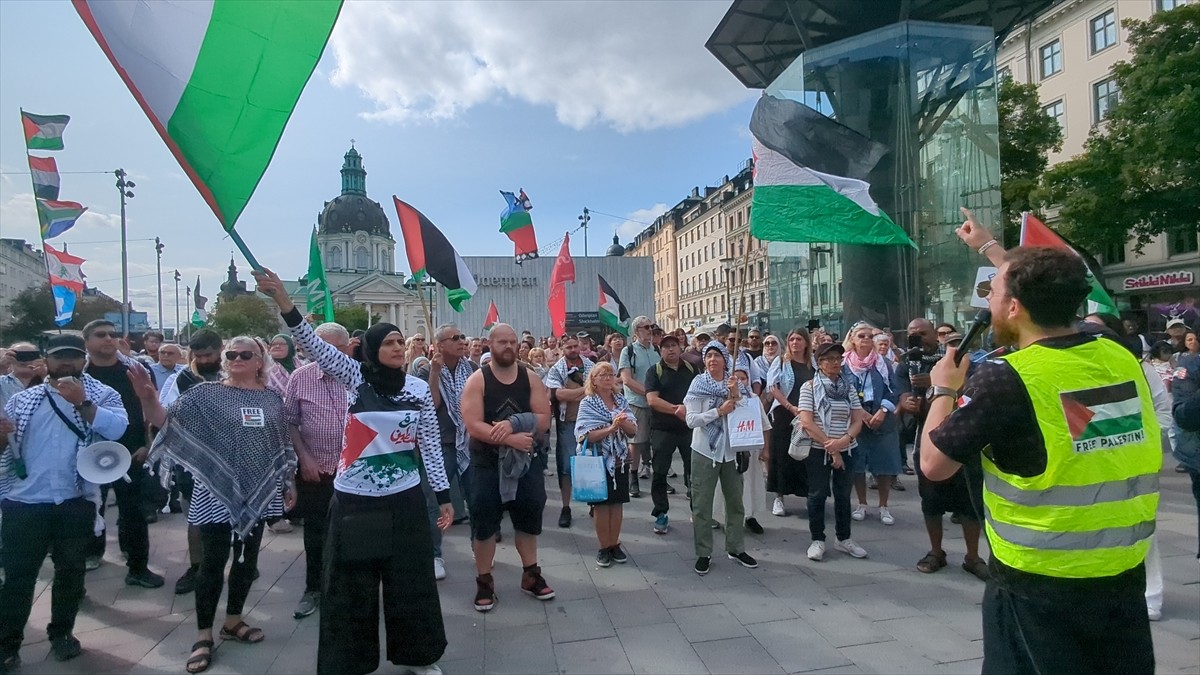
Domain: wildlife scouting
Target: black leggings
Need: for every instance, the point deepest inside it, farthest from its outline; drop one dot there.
(217, 540)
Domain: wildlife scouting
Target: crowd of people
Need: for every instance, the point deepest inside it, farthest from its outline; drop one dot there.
(377, 443)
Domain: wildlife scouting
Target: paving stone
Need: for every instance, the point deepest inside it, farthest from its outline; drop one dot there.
(754, 603)
(892, 658)
(736, 656)
(707, 622)
(574, 620)
(519, 650)
(842, 626)
(600, 657)
(874, 603)
(635, 608)
(934, 642)
(796, 646)
(660, 648)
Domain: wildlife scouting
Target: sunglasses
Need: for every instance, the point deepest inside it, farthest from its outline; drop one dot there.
(944, 332)
(457, 338)
(245, 355)
(102, 334)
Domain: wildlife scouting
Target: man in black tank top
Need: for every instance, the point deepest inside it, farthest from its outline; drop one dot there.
(499, 390)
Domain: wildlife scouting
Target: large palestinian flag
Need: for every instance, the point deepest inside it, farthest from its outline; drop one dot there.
(612, 311)
(1036, 233)
(809, 179)
(1103, 418)
(430, 254)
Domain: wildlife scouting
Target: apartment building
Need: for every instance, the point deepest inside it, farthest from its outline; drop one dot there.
(1069, 51)
(658, 242)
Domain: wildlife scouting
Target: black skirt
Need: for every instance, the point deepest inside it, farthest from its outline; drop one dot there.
(618, 488)
(785, 476)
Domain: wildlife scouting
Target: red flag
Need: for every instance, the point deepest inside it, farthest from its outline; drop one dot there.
(493, 317)
(564, 267)
(558, 309)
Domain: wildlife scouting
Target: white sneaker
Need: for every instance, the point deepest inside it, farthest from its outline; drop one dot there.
(1155, 614)
(849, 547)
(439, 572)
(816, 551)
(860, 512)
(422, 670)
(885, 514)
(777, 508)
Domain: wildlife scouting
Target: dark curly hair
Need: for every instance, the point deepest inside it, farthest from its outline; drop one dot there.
(1051, 284)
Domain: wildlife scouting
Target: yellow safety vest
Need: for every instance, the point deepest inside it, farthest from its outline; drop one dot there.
(1091, 512)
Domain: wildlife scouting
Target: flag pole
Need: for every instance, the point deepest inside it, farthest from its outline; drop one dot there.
(42, 235)
(737, 322)
(419, 288)
(237, 241)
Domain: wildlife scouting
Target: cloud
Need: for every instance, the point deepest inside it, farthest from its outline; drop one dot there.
(20, 219)
(636, 222)
(629, 65)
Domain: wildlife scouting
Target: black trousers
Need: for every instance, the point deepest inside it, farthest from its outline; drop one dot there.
(31, 531)
(821, 475)
(133, 534)
(217, 541)
(312, 504)
(379, 542)
(663, 445)
(1101, 628)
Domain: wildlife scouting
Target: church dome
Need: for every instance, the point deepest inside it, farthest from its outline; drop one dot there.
(616, 250)
(353, 211)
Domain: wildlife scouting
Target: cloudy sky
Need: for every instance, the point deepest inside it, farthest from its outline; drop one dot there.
(615, 106)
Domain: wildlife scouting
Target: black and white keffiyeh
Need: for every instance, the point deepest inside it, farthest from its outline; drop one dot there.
(233, 440)
(594, 413)
(713, 393)
(452, 383)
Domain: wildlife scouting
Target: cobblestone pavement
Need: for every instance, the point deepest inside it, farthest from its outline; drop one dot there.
(653, 615)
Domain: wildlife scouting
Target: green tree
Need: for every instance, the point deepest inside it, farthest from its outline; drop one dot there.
(353, 317)
(244, 315)
(32, 312)
(1139, 174)
(1027, 133)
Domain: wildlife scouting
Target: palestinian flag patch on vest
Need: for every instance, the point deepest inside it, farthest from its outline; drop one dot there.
(1104, 418)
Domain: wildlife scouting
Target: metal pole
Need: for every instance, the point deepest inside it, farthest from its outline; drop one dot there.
(188, 301)
(585, 218)
(158, 247)
(177, 326)
(122, 186)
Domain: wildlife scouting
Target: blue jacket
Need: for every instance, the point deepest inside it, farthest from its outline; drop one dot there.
(1186, 411)
(884, 394)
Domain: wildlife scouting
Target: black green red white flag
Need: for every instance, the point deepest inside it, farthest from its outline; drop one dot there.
(44, 132)
(612, 311)
(1036, 233)
(493, 316)
(430, 254)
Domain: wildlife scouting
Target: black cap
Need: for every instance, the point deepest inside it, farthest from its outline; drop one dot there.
(65, 343)
(723, 330)
(831, 347)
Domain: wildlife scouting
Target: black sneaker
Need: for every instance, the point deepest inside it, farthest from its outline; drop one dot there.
(564, 518)
(187, 582)
(753, 526)
(618, 555)
(144, 578)
(671, 489)
(702, 565)
(745, 559)
(635, 490)
(65, 648)
(604, 558)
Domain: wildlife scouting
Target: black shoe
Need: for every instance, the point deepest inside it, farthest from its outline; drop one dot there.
(604, 557)
(9, 663)
(144, 578)
(670, 489)
(564, 518)
(745, 559)
(187, 582)
(175, 507)
(635, 490)
(498, 537)
(702, 564)
(257, 574)
(152, 517)
(753, 526)
(618, 555)
(65, 648)
(1179, 468)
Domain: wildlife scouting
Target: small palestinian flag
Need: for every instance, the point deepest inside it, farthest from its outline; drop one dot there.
(1103, 418)
(612, 311)
(44, 171)
(430, 254)
(493, 317)
(44, 132)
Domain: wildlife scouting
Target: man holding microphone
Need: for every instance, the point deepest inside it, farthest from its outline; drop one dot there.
(1069, 443)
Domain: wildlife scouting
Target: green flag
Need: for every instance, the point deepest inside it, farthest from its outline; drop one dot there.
(318, 295)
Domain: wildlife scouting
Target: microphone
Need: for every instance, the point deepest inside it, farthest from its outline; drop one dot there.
(982, 320)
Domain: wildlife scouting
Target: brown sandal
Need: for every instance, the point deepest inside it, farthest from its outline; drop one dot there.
(241, 632)
(198, 663)
(932, 562)
(977, 567)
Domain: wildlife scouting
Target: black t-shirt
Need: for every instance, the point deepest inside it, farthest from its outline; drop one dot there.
(672, 386)
(115, 376)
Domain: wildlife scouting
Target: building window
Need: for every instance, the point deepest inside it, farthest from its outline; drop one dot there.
(1052, 61)
(1165, 5)
(1104, 31)
(1114, 253)
(362, 259)
(334, 261)
(1005, 74)
(1057, 110)
(1182, 240)
(1104, 96)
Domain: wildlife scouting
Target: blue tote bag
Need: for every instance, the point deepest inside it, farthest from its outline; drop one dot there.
(589, 477)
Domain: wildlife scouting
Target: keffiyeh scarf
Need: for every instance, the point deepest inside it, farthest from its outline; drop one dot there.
(713, 393)
(860, 365)
(825, 391)
(594, 414)
(242, 464)
(451, 383)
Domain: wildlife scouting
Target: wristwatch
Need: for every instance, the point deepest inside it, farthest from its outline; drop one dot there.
(938, 390)
(84, 405)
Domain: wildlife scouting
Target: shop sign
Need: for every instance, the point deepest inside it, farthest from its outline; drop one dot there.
(508, 282)
(1162, 280)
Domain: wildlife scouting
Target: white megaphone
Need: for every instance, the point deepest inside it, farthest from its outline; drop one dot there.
(103, 462)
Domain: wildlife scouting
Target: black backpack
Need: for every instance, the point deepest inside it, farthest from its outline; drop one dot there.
(633, 356)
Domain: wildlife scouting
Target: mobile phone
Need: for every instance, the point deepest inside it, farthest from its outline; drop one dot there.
(814, 324)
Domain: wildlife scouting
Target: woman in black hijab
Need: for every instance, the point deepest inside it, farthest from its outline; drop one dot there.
(378, 523)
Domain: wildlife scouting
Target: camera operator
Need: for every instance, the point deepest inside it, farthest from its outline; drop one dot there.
(1071, 454)
(961, 494)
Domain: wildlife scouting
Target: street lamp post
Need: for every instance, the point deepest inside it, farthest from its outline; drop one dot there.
(188, 300)
(158, 248)
(124, 187)
(178, 337)
(815, 252)
(585, 219)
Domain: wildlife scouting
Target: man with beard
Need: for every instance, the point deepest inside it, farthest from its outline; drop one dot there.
(204, 365)
(1069, 442)
(49, 508)
(960, 494)
(133, 535)
(692, 353)
(506, 410)
(565, 381)
(635, 361)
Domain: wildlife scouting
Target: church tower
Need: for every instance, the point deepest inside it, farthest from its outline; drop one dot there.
(353, 231)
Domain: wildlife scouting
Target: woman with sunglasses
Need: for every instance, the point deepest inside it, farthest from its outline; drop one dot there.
(379, 529)
(874, 380)
(230, 436)
(416, 354)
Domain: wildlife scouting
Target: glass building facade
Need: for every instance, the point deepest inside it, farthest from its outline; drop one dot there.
(928, 92)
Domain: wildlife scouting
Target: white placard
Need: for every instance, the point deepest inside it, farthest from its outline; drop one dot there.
(983, 280)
